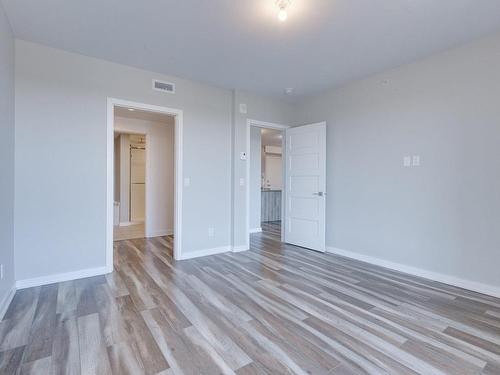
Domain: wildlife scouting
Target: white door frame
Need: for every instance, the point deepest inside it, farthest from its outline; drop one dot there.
(178, 115)
(265, 125)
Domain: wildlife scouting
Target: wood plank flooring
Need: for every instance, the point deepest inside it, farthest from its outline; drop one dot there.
(272, 228)
(276, 309)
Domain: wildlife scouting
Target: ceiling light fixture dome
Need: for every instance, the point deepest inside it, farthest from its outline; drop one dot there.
(282, 5)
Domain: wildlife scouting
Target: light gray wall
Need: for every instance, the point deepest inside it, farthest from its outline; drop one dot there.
(255, 176)
(442, 216)
(258, 108)
(159, 171)
(445, 215)
(6, 155)
(60, 203)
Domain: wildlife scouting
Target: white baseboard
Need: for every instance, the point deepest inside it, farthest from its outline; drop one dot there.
(205, 252)
(214, 251)
(4, 304)
(239, 249)
(51, 279)
(255, 230)
(160, 233)
(475, 286)
(129, 223)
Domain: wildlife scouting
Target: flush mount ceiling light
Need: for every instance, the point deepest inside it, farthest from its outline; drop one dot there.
(283, 5)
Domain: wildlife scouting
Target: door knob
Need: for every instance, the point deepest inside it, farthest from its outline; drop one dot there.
(319, 194)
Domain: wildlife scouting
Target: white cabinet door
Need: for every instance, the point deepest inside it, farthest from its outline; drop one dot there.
(306, 186)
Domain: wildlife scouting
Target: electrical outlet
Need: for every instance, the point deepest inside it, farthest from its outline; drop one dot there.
(211, 232)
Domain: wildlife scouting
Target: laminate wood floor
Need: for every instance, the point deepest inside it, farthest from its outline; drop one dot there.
(272, 228)
(276, 309)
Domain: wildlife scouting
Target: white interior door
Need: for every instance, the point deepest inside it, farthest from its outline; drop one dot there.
(305, 186)
(137, 185)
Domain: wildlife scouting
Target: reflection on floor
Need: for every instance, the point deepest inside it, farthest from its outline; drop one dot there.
(271, 228)
(128, 232)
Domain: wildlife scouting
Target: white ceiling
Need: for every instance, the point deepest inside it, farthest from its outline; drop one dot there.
(144, 115)
(239, 44)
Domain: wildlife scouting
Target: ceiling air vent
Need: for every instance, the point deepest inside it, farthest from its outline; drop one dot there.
(164, 86)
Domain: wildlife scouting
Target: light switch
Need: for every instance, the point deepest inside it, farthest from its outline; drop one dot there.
(407, 161)
(243, 109)
(416, 160)
(242, 181)
(187, 182)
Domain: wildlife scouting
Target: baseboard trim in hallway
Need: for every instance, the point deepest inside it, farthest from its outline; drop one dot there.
(414, 271)
(160, 233)
(60, 277)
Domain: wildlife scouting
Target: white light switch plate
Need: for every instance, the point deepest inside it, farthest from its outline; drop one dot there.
(407, 161)
(187, 182)
(243, 109)
(416, 160)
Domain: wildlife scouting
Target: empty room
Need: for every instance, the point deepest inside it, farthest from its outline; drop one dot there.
(250, 187)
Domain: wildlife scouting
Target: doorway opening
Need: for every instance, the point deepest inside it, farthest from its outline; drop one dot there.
(129, 212)
(265, 176)
(144, 192)
(143, 174)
